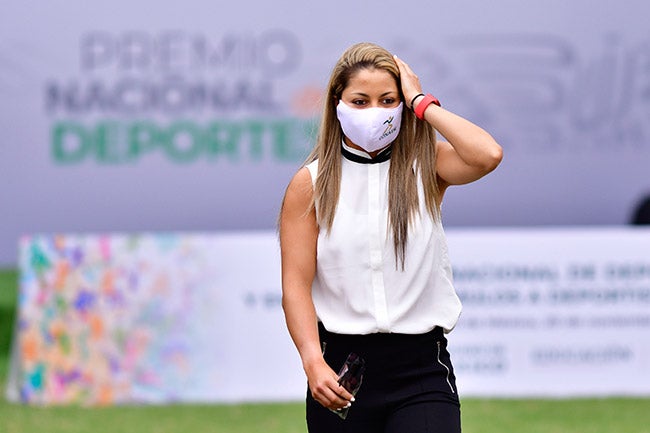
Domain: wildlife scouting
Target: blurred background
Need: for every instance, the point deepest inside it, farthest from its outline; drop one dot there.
(193, 116)
(134, 117)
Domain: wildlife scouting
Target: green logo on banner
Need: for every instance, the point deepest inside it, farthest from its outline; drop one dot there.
(182, 141)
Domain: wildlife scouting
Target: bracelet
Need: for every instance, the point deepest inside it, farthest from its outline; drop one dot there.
(424, 103)
(414, 98)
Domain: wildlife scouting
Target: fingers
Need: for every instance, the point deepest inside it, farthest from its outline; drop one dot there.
(401, 64)
(404, 68)
(332, 395)
(344, 393)
(324, 386)
(409, 80)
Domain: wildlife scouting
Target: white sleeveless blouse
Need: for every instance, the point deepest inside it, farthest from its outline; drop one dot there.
(358, 289)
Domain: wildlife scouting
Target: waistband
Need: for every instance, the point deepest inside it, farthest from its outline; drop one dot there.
(382, 338)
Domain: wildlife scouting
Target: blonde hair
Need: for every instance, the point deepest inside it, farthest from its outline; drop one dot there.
(414, 147)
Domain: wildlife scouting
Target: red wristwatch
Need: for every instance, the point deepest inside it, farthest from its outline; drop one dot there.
(424, 103)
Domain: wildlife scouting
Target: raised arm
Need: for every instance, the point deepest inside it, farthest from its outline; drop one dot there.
(469, 153)
(298, 240)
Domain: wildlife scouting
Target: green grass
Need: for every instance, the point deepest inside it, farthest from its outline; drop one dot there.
(267, 418)
(479, 416)
(618, 415)
(615, 415)
(8, 298)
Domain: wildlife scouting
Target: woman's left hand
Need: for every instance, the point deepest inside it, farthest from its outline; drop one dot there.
(470, 153)
(410, 82)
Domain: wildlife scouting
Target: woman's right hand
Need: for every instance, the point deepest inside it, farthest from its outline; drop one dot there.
(324, 386)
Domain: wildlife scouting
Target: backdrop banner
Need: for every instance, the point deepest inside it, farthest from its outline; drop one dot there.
(197, 317)
(194, 115)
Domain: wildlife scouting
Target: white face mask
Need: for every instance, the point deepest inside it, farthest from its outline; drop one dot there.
(370, 128)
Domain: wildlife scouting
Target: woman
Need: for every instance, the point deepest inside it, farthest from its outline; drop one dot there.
(364, 256)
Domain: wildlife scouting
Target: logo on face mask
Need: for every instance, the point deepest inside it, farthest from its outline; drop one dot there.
(370, 128)
(389, 129)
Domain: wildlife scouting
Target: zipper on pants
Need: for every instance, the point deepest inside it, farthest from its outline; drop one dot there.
(446, 368)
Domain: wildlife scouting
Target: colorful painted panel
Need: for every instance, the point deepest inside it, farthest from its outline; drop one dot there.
(109, 319)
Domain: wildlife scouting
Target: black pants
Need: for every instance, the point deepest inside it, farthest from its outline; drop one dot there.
(408, 387)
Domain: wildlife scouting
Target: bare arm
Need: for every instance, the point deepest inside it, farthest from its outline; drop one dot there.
(470, 152)
(298, 240)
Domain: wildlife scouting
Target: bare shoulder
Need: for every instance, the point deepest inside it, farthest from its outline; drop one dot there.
(301, 183)
(300, 191)
(302, 177)
(298, 225)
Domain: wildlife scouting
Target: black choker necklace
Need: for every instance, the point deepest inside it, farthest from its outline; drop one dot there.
(382, 156)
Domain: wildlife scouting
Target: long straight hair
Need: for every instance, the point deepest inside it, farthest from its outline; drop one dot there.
(413, 151)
